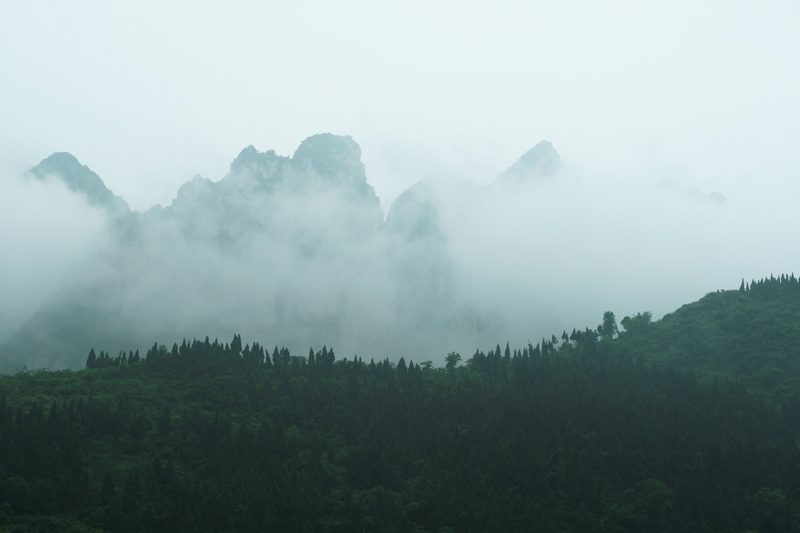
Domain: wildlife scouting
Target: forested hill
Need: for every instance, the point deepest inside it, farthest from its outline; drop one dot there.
(751, 334)
(577, 434)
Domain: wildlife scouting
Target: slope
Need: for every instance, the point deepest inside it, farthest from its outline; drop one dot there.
(752, 335)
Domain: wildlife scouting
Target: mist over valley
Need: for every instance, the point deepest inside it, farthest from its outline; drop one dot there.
(297, 252)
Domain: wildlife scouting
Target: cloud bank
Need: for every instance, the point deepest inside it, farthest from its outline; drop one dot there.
(297, 252)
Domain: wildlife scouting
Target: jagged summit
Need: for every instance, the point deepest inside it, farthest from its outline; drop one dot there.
(79, 179)
(260, 164)
(332, 156)
(541, 161)
(321, 161)
(264, 192)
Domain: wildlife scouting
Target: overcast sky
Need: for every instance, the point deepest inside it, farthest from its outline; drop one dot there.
(650, 104)
(152, 93)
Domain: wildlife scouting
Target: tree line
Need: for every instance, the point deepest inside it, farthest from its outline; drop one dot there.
(586, 432)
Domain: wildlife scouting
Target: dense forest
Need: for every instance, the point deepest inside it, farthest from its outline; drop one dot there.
(688, 423)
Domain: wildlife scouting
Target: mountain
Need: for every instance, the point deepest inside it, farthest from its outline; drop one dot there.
(539, 163)
(80, 179)
(318, 195)
(414, 214)
(423, 267)
(289, 248)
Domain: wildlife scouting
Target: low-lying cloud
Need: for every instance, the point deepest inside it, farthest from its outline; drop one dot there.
(296, 252)
(48, 235)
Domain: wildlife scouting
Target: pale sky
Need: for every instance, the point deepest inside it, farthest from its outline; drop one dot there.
(654, 107)
(149, 94)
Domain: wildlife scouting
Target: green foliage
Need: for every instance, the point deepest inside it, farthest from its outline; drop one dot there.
(451, 361)
(649, 506)
(661, 428)
(91, 361)
(195, 438)
(608, 329)
(638, 323)
(750, 335)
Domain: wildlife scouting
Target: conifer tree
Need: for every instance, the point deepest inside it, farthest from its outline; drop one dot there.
(236, 344)
(276, 357)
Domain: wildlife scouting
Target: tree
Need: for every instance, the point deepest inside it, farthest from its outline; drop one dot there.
(236, 344)
(311, 360)
(452, 360)
(276, 357)
(609, 327)
(649, 506)
(91, 361)
(637, 323)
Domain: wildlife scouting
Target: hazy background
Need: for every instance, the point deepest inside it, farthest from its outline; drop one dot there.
(653, 108)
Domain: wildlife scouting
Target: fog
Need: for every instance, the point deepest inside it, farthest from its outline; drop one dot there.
(297, 252)
(676, 124)
(47, 234)
(150, 95)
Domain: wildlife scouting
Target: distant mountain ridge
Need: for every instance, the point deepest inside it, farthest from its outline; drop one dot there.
(325, 170)
(314, 258)
(322, 160)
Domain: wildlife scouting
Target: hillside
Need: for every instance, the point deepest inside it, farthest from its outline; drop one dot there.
(577, 435)
(750, 335)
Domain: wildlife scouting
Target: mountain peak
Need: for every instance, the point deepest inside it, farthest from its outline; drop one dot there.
(79, 179)
(541, 161)
(332, 156)
(260, 164)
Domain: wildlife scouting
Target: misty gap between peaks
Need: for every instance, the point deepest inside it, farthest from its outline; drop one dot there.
(297, 252)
